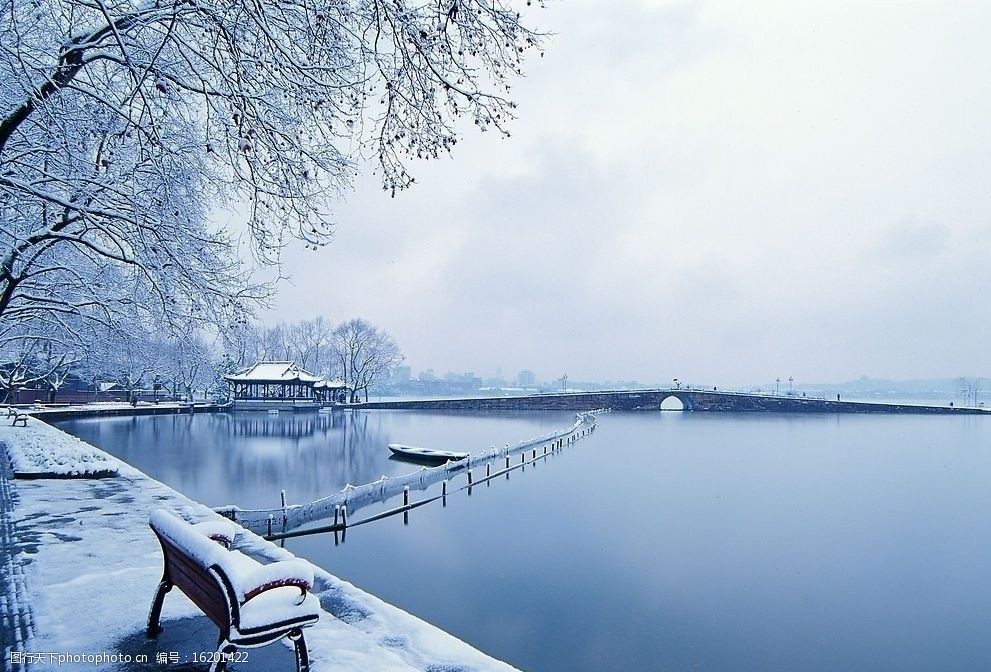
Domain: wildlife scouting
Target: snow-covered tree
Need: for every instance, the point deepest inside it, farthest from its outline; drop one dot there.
(239, 343)
(54, 364)
(187, 365)
(131, 356)
(36, 355)
(124, 123)
(307, 343)
(365, 354)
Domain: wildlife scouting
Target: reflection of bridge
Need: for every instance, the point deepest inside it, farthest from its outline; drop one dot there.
(650, 400)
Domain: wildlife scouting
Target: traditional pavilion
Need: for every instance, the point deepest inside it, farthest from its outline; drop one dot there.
(281, 385)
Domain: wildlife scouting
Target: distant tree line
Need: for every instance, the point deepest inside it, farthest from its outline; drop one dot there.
(355, 351)
(132, 356)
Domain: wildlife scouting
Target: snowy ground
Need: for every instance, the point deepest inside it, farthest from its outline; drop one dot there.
(96, 405)
(40, 449)
(90, 565)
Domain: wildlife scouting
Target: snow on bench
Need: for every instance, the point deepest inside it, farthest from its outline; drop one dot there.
(18, 417)
(252, 604)
(38, 450)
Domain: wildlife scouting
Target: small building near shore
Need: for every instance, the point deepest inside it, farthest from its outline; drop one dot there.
(333, 391)
(277, 385)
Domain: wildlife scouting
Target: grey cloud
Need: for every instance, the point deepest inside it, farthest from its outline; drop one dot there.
(701, 190)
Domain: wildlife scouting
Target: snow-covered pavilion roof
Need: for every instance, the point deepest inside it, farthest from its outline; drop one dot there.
(332, 384)
(273, 372)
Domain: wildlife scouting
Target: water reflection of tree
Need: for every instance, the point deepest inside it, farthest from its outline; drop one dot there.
(246, 458)
(361, 449)
(310, 455)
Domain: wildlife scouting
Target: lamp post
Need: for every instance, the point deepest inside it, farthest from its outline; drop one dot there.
(777, 386)
(791, 389)
(677, 383)
(564, 383)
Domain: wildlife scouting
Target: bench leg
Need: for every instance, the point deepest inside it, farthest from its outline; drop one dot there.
(154, 624)
(299, 644)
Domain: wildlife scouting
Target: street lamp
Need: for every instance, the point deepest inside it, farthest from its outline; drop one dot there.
(791, 391)
(777, 385)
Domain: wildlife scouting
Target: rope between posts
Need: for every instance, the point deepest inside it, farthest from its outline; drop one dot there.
(342, 526)
(356, 497)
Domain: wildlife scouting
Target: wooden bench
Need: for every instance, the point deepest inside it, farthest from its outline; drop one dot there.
(252, 604)
(19, 418)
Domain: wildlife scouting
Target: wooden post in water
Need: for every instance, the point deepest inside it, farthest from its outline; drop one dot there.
(406, 495)
(469, 478)
(507, 461)
(270, 519)
(488, 469)
(337, 514)
(344, 515)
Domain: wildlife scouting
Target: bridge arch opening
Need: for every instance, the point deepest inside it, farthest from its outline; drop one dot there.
(673, 403)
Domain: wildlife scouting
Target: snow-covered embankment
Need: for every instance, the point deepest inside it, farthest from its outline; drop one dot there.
(91, 565)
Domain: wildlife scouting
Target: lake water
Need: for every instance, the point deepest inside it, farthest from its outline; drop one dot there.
(665, 541)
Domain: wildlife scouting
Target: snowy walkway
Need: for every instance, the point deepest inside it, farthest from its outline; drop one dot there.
(80, 565)
(15, 617)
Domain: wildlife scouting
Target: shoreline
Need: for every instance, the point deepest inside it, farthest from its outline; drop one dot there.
(81, 565)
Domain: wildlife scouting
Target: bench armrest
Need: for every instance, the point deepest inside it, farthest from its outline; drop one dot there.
(291, 573)
(221, 531)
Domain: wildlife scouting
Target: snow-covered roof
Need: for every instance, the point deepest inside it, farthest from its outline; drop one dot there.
(273, 372)
(332, 384)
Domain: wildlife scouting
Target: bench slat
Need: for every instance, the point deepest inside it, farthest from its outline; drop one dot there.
(198, 584)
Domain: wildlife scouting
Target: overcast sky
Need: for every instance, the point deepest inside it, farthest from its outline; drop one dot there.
(720, 192)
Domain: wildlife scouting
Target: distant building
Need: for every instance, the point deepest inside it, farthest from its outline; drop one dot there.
(428, 375)
(526, 378)
(402, 374)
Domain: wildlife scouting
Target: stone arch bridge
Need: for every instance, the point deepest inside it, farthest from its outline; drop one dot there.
(692, 399)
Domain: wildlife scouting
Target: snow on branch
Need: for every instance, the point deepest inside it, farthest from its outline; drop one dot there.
(123, 124)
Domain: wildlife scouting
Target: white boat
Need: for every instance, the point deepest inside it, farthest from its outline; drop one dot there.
(426, 454)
